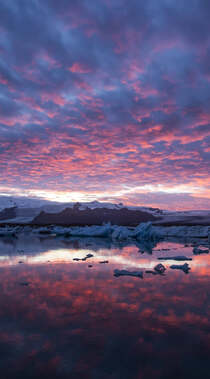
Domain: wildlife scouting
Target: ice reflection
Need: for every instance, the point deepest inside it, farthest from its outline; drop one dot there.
(72, 321)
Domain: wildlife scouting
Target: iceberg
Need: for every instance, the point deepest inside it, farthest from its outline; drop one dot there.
(195, 231)
(145, 235)
(145, 231)
(121, 233)
(91, 231)
(84, 231)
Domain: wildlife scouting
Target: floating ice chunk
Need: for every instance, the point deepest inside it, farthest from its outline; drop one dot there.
(176, 258)
(183, 231)
(83, 259)
(8, 232)
(91, 231)
(61, 231)
(138, 274)
(151, 272)
(145, 231)
(185, 267)
(41, 230)
(197, 251)
(160, 268)
(120, 233)
(24, 283)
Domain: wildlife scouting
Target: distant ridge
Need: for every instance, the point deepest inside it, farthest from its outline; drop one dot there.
(97, 216)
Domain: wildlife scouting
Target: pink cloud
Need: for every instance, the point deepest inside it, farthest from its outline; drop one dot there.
(79, 68)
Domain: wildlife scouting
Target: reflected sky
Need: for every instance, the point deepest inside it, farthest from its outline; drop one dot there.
(60, 318)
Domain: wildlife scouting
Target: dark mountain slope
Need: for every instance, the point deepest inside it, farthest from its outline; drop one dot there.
(76, 217)
(8, 213)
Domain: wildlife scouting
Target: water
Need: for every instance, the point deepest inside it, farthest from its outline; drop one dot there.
(62, 319)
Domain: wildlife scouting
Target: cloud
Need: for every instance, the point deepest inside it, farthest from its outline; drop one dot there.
(101, 95)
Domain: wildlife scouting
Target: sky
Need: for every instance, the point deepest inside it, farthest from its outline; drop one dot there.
(106, 100)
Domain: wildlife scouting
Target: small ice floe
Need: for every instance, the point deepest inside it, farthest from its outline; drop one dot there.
(151, 272)
(7, 233)
(197, 251)
(104, 262)
(185, 267)
(83, 259)
(24, 283)
(138, 274)
(176, 258)
(159, 268)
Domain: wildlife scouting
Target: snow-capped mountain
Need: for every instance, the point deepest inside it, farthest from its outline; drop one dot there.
(24, 210)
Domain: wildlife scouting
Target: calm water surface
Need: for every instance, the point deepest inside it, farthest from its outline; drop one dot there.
(62, 319)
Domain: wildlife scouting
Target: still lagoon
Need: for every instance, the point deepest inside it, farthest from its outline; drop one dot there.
(67, 318)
